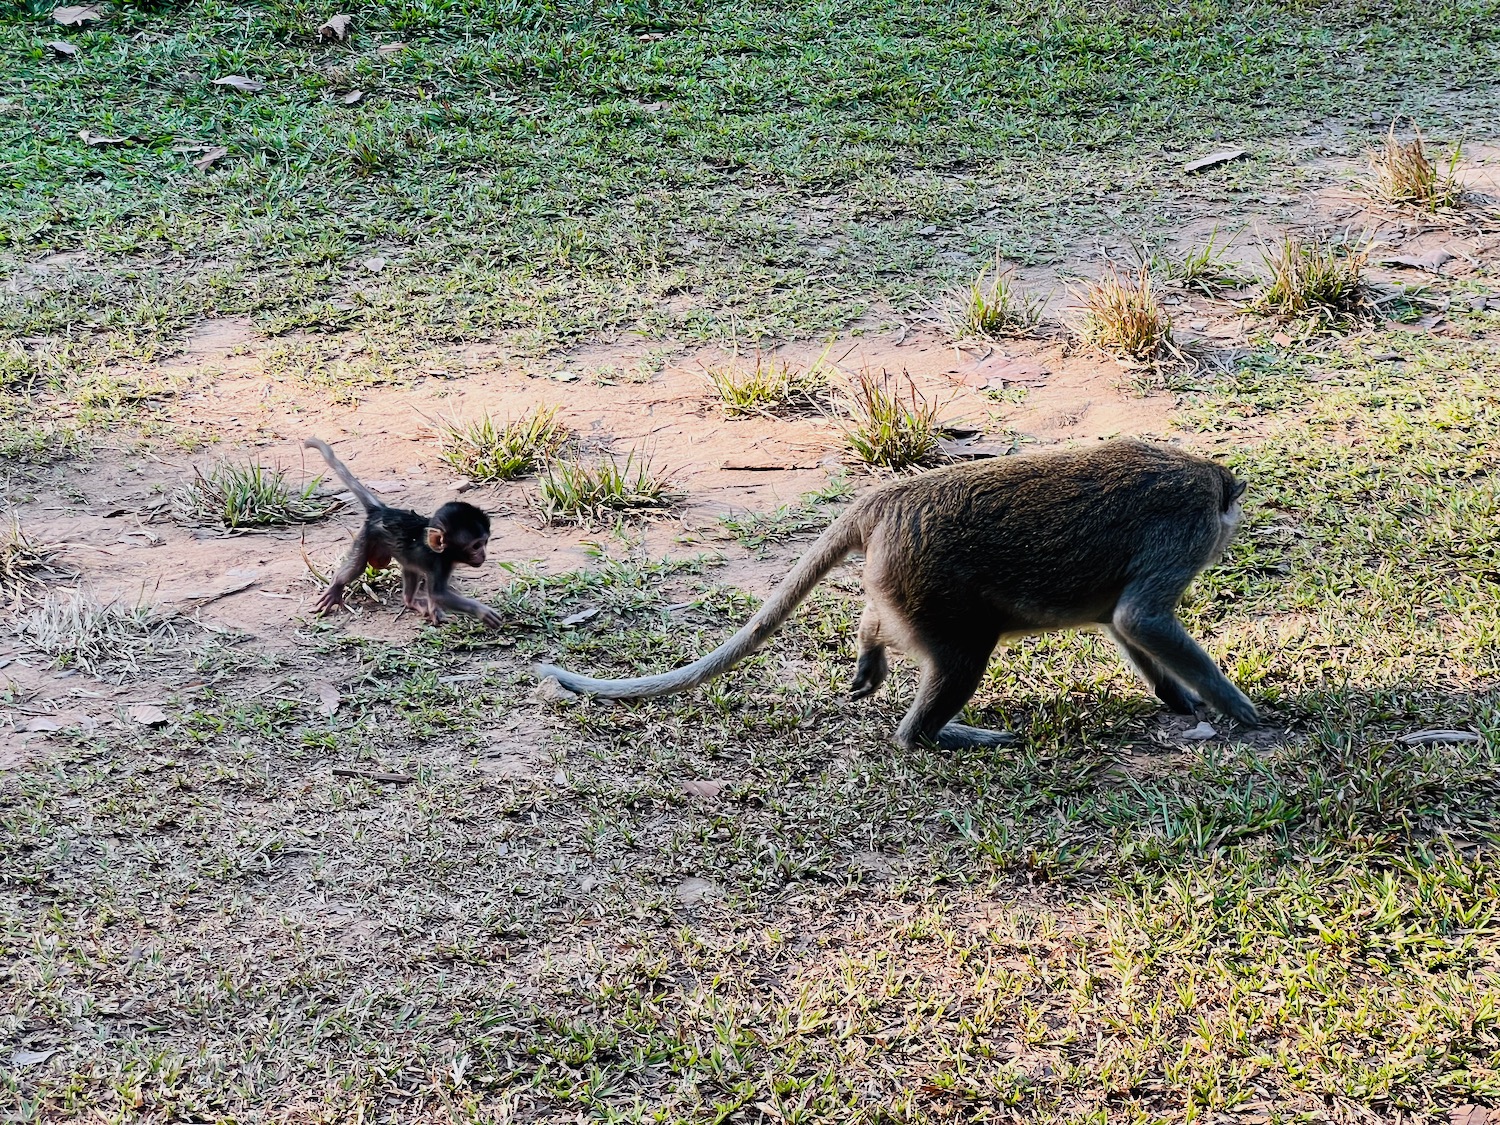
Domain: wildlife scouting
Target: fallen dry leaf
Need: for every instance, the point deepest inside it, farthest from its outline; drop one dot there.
(209, 158)
(328, 697)
(78, 15)
(1468, 1115)
(62, 47)
(335, 28)
(374, 265)
(550, 690)
(1432, 261)
(1200, 733)
(93, 140)
(31, 1058)
(1213, 159)
(42, 724)
(1281, 339)
(385, 776)
(695, 891)
(390, 48)
(708, 790)
(241, 83)
(581, 616)
(353, 97)
(146, 714)
(1436, 737)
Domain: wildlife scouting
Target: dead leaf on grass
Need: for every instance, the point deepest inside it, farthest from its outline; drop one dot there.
(1281, 339)
(93, 140)
(31, 1058)
(374, 265)
(209, 158)
(390, 48)
(353, 97)
(62, 47)
(241, 83)
(335, 28)
(385, 776)
(1432, 261)
(550, 690)
(581, 616)
(695, 891)
(1438, 737)
(1213, 159)
(146, 714)
(77, 15)
(708, 790)
(1200, 733)
(328, 697)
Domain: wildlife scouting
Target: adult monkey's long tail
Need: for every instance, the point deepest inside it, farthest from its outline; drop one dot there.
(845, 534)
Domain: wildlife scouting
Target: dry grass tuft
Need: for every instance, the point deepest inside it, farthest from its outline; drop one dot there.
(1402, 173)
(888, 430)
(1314, 278)
(1123, 317)
(78, 631)
(22, 560)
(484, 451)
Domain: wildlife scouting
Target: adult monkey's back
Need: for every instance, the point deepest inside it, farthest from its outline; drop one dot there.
(1106, 536)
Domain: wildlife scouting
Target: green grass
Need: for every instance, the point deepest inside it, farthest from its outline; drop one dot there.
(574, 491)
(769, 386)
(1314, 278)
(994, 305)
(235, 496)
(543, 174)
(891, 426)
(484, 451)
(1089, 919)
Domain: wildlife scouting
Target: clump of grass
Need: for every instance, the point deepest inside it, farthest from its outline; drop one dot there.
(1314, 278)
(888, 430)
(1201, 268)
(37, 443)
(994, 305)
(1122, 316)
(1404, 174)
(757, 529)
(78, 631)
(250, 495)
(576, 492)
(771, 386)
(22, 559)
(485, 451)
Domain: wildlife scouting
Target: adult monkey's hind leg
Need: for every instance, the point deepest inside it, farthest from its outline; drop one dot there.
(1177, 697)
(872, 666)
(951, 672)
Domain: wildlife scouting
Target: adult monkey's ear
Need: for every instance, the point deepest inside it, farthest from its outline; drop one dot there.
(436, 539)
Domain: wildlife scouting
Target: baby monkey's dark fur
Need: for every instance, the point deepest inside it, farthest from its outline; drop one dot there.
(427, 549)
(1106, 536)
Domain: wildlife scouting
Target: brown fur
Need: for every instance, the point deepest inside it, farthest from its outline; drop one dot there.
(1105, 536)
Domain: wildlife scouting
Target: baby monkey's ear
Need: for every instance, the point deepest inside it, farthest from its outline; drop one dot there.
(436, 540)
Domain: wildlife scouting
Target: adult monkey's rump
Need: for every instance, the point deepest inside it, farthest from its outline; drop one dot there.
(1107, 536)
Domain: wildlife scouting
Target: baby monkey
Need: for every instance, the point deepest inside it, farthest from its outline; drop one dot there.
(427, 549)
(1106, 537)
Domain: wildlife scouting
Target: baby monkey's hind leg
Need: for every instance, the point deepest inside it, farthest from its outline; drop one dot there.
(872, 666)
(350, 567)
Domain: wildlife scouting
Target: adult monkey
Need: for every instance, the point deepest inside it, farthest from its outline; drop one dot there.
(957, 558)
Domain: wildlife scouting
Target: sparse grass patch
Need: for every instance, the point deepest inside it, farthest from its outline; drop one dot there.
(79, 631)
(769, 386)
(1402, 173)
(485, 451)
(243, 496)
(38, 443)
(994, 305)
(889, 430)
(22, 559)
(1202, 269)
(1123, 317)
(759, 529)
(1314, 278)
(574, 491)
